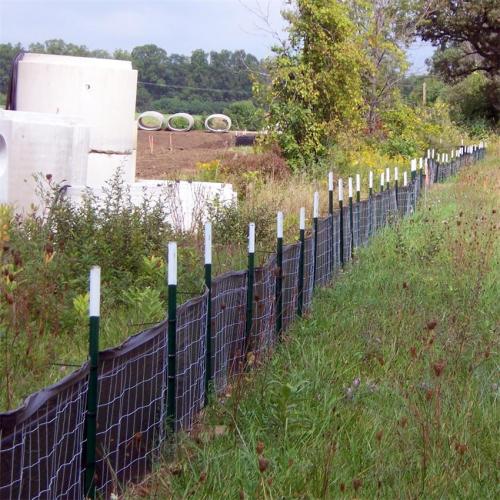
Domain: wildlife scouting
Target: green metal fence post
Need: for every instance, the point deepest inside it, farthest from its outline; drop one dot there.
(300, 285)
(208, 284)
(315, 230)
(91, 414)
(341, 215)
(172, 329)
(382, 177)
(388, 178)
(250, 282)
(330, 213)
(370, 184)
(279, 274)
(396, 182)
(351, 216)
(413, 167)
(358, 199)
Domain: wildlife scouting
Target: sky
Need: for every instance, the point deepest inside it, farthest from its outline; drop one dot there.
(178, 26)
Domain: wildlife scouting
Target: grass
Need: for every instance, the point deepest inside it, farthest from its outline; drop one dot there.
(389, 389)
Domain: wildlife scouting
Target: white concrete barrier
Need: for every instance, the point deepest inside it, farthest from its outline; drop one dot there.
(32, 143)
(186, 202)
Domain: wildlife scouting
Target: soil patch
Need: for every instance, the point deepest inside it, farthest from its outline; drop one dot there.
(169, 155)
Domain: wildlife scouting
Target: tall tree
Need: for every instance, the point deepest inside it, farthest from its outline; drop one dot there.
(7, 53)
(315, 80)
(468, 35)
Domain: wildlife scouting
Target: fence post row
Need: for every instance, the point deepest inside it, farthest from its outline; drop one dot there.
(250, 282)
(208, 284)
(279, 274)
(92, 392)
(171, 332)
(453, 162)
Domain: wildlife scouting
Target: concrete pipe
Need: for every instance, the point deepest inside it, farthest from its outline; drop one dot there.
(224, 118)
(185, 116)
(154, 115)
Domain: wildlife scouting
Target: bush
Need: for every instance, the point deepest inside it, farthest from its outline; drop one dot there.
(245, 115)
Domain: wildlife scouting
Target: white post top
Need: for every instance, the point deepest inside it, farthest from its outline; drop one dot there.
(172, 263)
(251, 237)
(95, 291)
(330, 181)
(438, 157)
(396, 174)
(302, 218)
(208, 243)
(279, 224)
(405, 178)
(413, 164)
(462, 142)
(387, 174)
(350, 187)
(452, 154)
(341, 190)
(420, 163)
(370, 179)
(382, 179)
(358, 183)
(432, 154)
(316, 205)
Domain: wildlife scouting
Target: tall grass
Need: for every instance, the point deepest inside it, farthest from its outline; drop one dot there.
(389, 389)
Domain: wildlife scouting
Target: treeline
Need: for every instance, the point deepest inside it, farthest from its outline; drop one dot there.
(204, 82)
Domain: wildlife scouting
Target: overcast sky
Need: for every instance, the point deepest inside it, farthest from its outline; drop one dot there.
(179, 26)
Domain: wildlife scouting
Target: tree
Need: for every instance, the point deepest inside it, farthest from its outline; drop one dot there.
(151, 61)
(385, 28)
(7, 54)
(315, 86)
(468, 35)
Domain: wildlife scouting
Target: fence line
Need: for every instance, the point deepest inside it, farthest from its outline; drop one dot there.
(104, 425)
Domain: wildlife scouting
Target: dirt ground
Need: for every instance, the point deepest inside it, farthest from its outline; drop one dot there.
(170, 155)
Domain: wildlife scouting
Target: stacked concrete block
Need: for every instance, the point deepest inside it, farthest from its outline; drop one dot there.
(39, 143)
(101, 92)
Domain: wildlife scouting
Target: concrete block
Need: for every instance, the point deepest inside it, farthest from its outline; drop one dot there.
(32, 143)
(186, 203)
(102, 166)
(100, 91)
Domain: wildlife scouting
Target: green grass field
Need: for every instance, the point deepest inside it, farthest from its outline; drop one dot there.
(389, 389)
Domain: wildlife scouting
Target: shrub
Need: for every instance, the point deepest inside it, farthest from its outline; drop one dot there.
(245, 115)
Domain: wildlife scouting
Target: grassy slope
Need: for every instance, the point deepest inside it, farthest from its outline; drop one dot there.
(423, 421)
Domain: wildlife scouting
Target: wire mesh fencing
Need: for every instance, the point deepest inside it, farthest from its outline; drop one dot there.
(324, 246)
(131, 409)
(43, 443)
(229, 298)
(262, 336)
(290, 271)
(190, 358)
